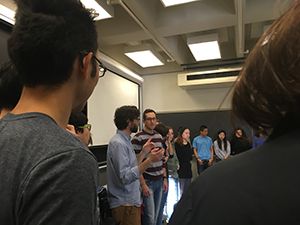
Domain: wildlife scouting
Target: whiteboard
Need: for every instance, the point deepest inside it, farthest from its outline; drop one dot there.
(111, 92)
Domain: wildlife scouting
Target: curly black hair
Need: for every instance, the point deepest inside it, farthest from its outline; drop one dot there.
(125, 114)
(47, 38)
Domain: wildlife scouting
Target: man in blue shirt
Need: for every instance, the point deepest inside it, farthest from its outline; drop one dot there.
(124, 168)
(203, 149)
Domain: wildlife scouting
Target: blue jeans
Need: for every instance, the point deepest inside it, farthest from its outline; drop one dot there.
(202, 167)
(152, 203)
(162, 206)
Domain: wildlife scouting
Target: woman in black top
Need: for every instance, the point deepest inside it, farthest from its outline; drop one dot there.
(184, 152)
(239, 142)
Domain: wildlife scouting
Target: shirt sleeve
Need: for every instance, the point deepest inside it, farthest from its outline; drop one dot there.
(195, 143)
(210, 142)
(60, 190)
(120, 160)
(178, 153)
(137, 144)
(218, 150)
(228, 149)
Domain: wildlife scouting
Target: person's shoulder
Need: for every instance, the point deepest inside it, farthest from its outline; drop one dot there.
(157, 135)
(139, 134)
(196, 138)
(209, 138)
(116, 141)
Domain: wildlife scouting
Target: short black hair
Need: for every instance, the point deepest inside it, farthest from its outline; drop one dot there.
(203, 127)
(47, 38)
(125, 114)
(78, 119)
(148, 111)
(10, 87)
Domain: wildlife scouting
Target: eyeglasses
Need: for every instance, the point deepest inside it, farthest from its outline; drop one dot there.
(151, 118)
(102, 68)
(88, 126)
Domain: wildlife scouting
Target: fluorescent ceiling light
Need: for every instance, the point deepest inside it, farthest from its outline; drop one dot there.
(92, 4)
(168, 3)
(205, 50)
(144, 58)
(7, 14)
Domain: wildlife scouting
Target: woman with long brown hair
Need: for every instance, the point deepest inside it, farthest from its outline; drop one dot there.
(184, 152)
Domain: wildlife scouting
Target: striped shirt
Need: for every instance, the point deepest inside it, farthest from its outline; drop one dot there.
(155, 170)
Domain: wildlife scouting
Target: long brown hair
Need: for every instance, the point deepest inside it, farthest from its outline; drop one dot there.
(179, 139)
(268, 88)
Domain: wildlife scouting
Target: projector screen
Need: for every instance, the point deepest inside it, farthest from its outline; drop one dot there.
(111, 92)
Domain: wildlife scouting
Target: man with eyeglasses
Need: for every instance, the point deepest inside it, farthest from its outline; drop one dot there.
(47, 175)
(124, 168)
(154, 179)
(79, 127)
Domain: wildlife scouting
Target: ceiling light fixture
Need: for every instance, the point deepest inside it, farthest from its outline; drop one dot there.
(145, 58)
(7, 14)
(102, 10)
(204, 47)
(168, 3)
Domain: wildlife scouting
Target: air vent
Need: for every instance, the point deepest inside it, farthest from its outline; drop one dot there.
(218, 78)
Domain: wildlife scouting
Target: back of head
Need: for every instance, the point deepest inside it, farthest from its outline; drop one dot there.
(10, 87)
(124, 115)
(78, 119)
(268, 88)
(162, 129)
(47, 38)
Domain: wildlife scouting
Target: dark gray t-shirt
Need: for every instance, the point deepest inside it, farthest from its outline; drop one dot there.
(47, 176)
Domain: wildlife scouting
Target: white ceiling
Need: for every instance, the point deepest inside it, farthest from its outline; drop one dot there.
(138, 23)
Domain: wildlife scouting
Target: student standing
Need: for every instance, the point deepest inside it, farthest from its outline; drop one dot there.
(184, 152)
(203, 149)
(124, 168)
(222, 146)
(239, 142)
(154, 179)
(50, 177)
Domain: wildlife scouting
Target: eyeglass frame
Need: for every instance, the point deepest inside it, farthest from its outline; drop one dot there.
(100, 65)
(88, 126)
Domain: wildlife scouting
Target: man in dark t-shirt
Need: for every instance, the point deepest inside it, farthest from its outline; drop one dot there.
(47, 175)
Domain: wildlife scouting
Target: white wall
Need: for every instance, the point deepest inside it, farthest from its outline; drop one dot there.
(111, 92)
(161, 93)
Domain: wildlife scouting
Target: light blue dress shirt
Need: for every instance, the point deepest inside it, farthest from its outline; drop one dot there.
(122, 172)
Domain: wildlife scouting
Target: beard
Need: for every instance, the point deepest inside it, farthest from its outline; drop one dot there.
(134, 128)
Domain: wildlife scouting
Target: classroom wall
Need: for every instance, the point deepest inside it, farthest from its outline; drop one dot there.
(161, 93)
(178, 107)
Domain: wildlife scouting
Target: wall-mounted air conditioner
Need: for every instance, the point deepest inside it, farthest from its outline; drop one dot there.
(223, 77)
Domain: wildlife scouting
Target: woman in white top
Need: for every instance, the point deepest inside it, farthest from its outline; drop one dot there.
(222, 146)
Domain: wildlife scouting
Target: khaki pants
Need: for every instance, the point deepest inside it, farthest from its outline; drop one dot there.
(127, 215)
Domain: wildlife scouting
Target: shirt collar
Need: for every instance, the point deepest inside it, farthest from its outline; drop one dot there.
(123, 134)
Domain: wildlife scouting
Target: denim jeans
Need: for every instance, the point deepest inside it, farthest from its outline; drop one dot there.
(202, 167)
(152, 202)
(162, 206)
